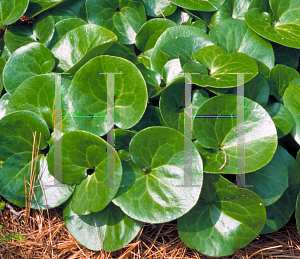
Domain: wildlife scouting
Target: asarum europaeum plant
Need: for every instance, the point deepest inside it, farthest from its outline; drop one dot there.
(154, 50)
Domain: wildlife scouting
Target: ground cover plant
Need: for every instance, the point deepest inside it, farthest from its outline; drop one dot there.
(131, 66)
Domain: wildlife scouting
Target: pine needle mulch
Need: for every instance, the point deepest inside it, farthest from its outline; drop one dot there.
(46, 236)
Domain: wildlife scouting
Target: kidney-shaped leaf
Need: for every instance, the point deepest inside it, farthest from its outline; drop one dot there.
(16, 133)
(215, 127)
(80, 45)
(28, 61)
(82, 151)
(151, 191)
(12, 10)
(282, 25)
(225, 218)
(200, 5)
(110, 229)
(88, 94)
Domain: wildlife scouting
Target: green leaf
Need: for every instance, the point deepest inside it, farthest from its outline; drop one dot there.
(286, 56)
(43, 28)
(158, 7)
(2, 65)
(82, 151)
(270, 181)
(200, 24)
(150, 32)
(207, 6)
(69, 9)
(124, 18)
(224, 220)
(180, 17)
(236, 9)
(122, 139)
(35, 94)
(80, 45)
(172, 72)
(177, 41)
(89, 97)
(12, 10)
(220, 64)
(280, 212)
(145, 58)
(12, 185)
(280, 78)
(28, 61)
(282, 118)
(151, 195)
(291, 101)
(37, 6)
(3, 104)
(122, 51)
(16, 133)
(109, 229)
(17, 36)
(245, 41)
(281, 25)
(214, 133)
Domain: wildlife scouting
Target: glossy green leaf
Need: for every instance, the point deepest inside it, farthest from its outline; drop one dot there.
(124, 18)
(172, 72)
(80, 45)
(17, 36)
(291, 101)
(200, 24)
(3, 104)
(145, 58)
(122, 51)
(280, 78)
(281, 25)
(122, 139)
(152, 195)
(151, 31)
(220, 64)
(200, 5)
(35, 94)
(2, 65)
(12, 186)
(270, 181)
(158, 7)
(257, 90)
(28, 61)
(82, 151)
(181, 17)
(37, 6)
(43, 28)
(286, 56)
(224, 220)
(69, 9)
(90, 87)
(124, 155)
(216, 132)
(177, 41)
(280, 212)
(236, 9)
(12, 10)
(16, 133)
(245, 41)
(282, 118)
(109, 229)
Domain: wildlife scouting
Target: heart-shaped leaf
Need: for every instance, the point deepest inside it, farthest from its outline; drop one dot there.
(280, 212)
(82, 151)
(225, 218)
(43, 28)
(292, 102)
(69, 9)
(150, 32)
(89, 97)
(282, 118)
(223, 67)
(200, 5)
(16, 133)
(281, 25)
(215, 127)
(109, 229)
(270, 181)
(12, 186)
(245, 41)
(151, 192)
(28, 61)
(37, 6)
(12, 10)
(177, 41)
(124, 18)
(80, 45)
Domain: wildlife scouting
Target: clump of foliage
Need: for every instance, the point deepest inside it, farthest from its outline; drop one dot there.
(151, 51)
